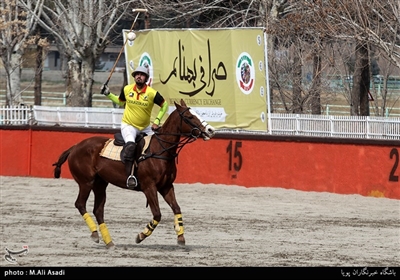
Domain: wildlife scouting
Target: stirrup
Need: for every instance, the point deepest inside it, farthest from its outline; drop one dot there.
(131, 182)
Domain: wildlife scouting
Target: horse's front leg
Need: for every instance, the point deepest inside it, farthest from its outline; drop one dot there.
(169, 196)
(80, 204)
(152, 200)
(99, 190)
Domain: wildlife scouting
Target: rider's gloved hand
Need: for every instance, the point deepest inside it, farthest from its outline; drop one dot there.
(105, 90)
(155, 127)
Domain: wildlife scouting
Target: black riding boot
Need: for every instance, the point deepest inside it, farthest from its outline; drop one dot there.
(129, 157)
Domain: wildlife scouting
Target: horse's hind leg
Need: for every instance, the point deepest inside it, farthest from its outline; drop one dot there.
(169, 196)
(99, 190)
(80, 204)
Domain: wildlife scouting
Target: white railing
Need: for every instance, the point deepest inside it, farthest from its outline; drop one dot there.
(15, 115)
(342, 110)
(78, 116)
(336, 126)
(365, 127)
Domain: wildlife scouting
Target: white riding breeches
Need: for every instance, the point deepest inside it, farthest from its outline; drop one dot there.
(130, 132)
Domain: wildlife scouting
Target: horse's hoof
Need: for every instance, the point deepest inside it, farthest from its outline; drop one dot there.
(181, 240)
(140, 237)
(95, 236)
(110, 245)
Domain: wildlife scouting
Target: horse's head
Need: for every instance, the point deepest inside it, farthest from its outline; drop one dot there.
(192, 123)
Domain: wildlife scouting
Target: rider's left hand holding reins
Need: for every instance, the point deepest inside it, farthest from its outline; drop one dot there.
(155, 127)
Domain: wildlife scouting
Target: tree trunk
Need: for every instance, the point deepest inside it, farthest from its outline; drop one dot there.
(38, 75)
(146, 21)
(273, 15)
(80, 83)
(361, 81)
(297, 77)
(14, 80)
(365, 82)
(316, 85)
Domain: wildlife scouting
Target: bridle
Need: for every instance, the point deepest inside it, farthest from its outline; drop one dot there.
(184, 138)
(196, 131)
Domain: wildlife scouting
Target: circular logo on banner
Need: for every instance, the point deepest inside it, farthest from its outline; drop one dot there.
(245, 73)
(145, 60)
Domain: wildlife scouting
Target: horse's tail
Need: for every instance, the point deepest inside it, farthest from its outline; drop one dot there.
(63, 158)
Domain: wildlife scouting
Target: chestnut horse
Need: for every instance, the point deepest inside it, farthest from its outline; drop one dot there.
(155, 171)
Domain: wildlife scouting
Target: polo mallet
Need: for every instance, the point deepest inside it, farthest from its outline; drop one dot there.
(120, 52)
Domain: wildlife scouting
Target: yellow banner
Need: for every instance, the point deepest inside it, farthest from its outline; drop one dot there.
(220, 73)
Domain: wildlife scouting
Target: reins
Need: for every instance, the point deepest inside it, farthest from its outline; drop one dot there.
(184, 138)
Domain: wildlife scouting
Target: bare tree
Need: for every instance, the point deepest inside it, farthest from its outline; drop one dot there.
(82, 28)
(295, 30)
(315, 90)
(373, 21)
(16, 33)
(301, 33)
(368, 23)
(361, 80)
(272, 11)
(42, 46)
(310, 29)
(315, 25)
(205, 14)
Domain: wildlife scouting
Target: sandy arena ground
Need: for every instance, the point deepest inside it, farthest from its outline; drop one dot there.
(224, 226)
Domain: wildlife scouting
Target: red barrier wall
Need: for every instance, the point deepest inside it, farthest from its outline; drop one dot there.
(339, 168)
(14, 152)
(304, 164)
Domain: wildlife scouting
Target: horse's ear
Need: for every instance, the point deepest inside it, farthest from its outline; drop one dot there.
(177, 105)
(183, 104)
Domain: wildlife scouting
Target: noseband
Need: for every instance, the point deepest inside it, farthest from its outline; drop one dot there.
(196, 131)
(173, 148)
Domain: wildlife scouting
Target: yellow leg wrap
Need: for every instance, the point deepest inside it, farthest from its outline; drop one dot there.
(89, 221)
(104, 233)
(148, 230)
(178, 222)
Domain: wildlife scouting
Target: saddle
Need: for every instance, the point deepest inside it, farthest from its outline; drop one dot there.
(113, 148)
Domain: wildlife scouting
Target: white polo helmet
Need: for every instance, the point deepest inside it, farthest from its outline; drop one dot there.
(141, 69)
